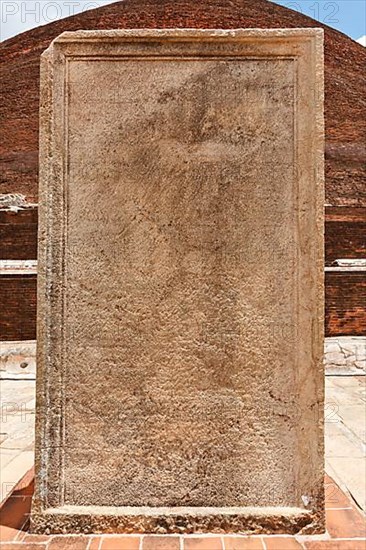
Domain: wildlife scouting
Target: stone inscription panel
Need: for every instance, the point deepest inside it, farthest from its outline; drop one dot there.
(180, 254)
(189, 249)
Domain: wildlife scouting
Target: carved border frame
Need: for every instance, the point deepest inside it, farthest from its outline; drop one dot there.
(305, 48)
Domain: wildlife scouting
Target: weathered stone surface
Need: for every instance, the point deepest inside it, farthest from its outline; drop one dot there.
(180, 296)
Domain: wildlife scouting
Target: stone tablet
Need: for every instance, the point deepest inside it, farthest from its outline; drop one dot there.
(180, 315)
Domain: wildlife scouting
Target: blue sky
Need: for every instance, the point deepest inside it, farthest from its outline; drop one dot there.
(348, 16)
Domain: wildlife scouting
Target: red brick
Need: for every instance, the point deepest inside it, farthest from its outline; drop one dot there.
(243, 543)
(120, 543)
(346, 523)
(94, 544)
(25, 485)
(23, 546)
(336, 545)
(36, 538)
(18, 298)
(18, 234)
(334, 496)
(203, 543)
(345, 294)
(161, 543)
(14, 512)
(344, 234)
(68, 542)
(281, 543)
(8, 534)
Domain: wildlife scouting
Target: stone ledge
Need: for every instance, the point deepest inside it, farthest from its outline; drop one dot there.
(18, 360)
(105, 519)
(13, 202)
(18, 267)
(345, 355)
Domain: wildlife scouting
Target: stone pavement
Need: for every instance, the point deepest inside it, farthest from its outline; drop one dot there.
(345, 434)
(345, 423)
(17, 406)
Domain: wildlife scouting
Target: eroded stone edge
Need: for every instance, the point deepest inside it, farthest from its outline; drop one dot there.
(244, 523)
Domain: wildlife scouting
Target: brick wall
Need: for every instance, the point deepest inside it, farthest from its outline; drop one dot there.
(345, 231)
(345, 303)
(345, 289)
(18, 302)
(18, 234)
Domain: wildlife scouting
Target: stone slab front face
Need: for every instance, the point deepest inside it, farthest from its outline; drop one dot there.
(180, 317)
